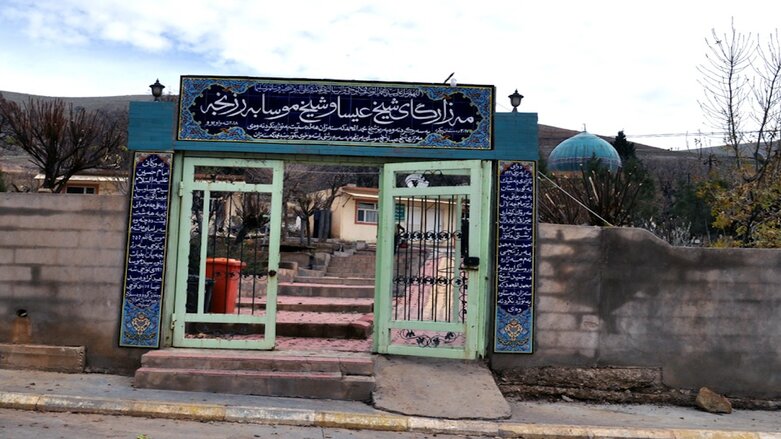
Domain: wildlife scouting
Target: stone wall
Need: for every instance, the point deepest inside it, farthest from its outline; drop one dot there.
(61, 269)
(604, 297)
(622, 297)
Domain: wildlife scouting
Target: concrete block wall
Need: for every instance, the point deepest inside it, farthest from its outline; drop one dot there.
(61, 269)
(604, 297)
(622, 297)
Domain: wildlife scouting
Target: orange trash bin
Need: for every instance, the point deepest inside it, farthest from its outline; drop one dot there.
(226, 274)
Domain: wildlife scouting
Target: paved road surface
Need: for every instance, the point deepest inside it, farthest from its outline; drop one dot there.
(17, 424)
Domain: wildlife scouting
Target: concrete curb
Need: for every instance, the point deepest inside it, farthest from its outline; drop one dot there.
(346, 420)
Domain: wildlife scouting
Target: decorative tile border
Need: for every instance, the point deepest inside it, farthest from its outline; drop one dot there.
(145, 257)
(336, 112)
(517, 217)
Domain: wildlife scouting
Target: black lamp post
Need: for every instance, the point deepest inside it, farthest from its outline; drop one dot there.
(157, 89)
(515, 100)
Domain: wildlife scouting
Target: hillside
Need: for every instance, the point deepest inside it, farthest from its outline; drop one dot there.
(549, 136)
(89, 103)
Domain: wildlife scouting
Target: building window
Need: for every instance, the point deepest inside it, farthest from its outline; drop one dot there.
(80, 189)
(366, 213)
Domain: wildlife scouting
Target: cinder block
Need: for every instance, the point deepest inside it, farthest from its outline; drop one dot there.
(15, 273)
(561, 232)
(590, 322)
(556, 250)
(556, 321)
(30, 292)
(698, 309)
(550, 351)
(637, 325)
(82, 275)
(558, 305)
(67, 359)
(90, 300)
(568, 339)
(68, 221)
(640, 307)
(102, 239)
(39, 238)
(42, 256)
(588, 353)
(45, 202)
(112, 203)
(91, 258)
(6, 255)
(546, 269)
(551, 285)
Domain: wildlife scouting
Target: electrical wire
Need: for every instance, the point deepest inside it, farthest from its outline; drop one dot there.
(540, 174)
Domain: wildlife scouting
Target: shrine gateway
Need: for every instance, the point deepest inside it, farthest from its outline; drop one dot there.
(455, 215)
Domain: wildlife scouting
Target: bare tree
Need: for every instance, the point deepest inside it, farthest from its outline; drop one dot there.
(741, 78)
(313, 188)
(594, 195)
(60, 139)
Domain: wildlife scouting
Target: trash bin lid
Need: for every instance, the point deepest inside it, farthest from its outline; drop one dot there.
(226, 261)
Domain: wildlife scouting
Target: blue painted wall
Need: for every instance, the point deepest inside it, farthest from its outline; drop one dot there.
(152, 127)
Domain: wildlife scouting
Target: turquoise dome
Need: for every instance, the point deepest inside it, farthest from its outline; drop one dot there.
(573, 153)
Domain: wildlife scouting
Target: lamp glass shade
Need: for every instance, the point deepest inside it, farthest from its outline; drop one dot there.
(157, 88)
(515, 99)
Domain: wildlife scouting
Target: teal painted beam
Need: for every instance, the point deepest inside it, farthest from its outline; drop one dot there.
(515, 136)
(152, 127)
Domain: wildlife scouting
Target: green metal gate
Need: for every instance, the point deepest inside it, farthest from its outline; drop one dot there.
(228, 254)
(432, 259)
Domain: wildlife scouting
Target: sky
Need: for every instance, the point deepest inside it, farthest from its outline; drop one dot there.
(603, 65)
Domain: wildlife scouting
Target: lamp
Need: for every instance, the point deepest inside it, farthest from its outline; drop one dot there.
(157, 89)
(515, 100)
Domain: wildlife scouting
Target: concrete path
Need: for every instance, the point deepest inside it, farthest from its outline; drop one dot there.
(110, 394)
(429, 386)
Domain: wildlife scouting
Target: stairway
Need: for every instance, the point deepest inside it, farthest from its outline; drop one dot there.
(343, 375)
(360, 265)
(337, 305)
(324, 326)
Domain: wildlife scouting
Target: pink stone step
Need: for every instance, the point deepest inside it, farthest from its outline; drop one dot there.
(319, 290)
(291, 373)
(321, 385)
(323, 344)
(331, 280)
(314, 304)
(291, 361)
(319, 324)
(324, 324)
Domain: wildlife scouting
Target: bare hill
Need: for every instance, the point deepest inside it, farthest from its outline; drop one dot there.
(88, 103)
(549, 136)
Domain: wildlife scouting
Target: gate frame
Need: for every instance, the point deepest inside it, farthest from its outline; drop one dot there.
(478, 301)
(178, 319)
(152, 128)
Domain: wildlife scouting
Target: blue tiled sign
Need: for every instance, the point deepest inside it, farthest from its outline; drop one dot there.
(145, 262)
(333, 112)
(515, 257)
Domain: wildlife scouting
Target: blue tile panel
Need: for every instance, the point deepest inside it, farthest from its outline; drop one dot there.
(338, 112)
(517, 218)
(145, 259)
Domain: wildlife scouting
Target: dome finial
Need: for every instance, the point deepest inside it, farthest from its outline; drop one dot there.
(584, 128)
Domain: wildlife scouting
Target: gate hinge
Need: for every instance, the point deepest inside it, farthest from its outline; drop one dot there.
(173, 321)
(181, 189)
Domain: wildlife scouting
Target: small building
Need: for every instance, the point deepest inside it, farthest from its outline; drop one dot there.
(93, 183)
(354, 214)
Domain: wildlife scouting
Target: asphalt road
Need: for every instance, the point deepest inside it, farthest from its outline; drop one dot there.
(18, 424)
